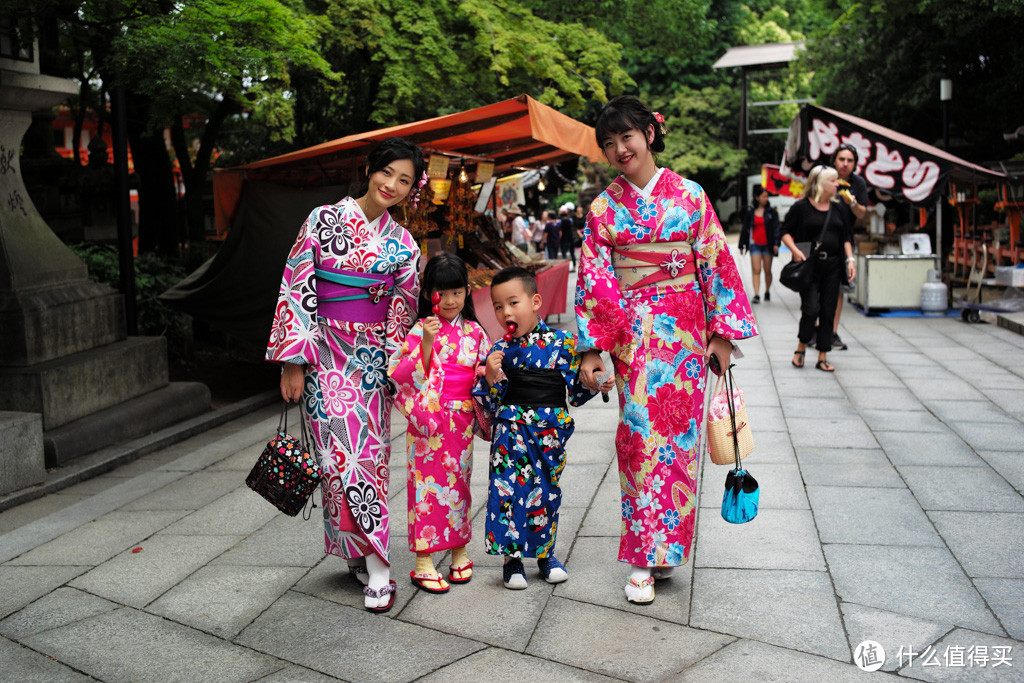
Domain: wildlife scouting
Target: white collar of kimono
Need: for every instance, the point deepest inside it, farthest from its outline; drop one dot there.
(649, 187)
(371, 224)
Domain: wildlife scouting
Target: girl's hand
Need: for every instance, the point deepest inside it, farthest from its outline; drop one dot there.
(493, 366)
(722, 349)
(431, 326)
(590, 367)
(292, 380)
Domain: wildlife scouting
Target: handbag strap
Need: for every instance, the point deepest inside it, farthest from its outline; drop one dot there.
(307, 443)
(824, 228)
(729, 387)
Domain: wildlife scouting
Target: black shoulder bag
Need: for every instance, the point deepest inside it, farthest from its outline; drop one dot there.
(797, 275)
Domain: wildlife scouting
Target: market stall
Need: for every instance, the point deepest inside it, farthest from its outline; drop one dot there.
(475, 156)
(901, 171)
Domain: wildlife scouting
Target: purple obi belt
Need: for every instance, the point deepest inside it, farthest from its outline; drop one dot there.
(351, 296)
(458, 382)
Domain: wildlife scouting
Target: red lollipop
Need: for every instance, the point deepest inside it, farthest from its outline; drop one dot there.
(512, 326)
(435, 299)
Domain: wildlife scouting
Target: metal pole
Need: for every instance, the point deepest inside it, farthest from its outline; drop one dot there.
(938, 235)
(741, 189)
(126, 259)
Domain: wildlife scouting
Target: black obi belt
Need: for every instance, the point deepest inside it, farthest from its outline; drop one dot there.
(535, 388)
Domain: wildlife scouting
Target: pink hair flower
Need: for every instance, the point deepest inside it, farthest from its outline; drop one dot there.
(658, 117)
(423, 179)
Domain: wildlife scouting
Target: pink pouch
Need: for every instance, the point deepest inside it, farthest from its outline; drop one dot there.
(719, 408)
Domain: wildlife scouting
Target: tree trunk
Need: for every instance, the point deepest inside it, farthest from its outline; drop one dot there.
(158, 210)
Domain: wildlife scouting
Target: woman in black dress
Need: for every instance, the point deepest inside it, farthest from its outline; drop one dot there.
(802, 227)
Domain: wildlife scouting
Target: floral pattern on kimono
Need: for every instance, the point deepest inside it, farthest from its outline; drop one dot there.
(528, 446)
(657, 336)
(347, 399)
(439, 439)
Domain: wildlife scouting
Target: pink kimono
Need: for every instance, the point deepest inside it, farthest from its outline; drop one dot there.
(656, 280)
(347, 300)
(442, 421)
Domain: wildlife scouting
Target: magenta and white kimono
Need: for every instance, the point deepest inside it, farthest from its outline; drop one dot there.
(442, 422)
(656, 280)
(347, 300)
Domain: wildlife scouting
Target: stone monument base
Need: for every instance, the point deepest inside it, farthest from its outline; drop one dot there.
(21, 441)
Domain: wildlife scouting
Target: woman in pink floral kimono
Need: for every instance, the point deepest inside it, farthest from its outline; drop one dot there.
(347, 300)
(434, 371)
(659, 291)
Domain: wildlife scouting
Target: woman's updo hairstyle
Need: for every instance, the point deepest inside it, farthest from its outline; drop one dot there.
(393, 149)
(626, 112)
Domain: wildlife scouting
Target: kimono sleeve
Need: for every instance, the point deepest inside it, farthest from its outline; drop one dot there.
(570, 367)
(419, 393)
(490, 398)
(295, 332)
(601, 316)
(402, 308)
(727, 310)
(482, 427)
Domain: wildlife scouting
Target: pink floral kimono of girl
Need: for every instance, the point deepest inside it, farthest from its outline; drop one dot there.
(442, 422)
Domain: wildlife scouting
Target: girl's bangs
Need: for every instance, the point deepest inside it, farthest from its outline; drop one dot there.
(614, 122)
(447, 277)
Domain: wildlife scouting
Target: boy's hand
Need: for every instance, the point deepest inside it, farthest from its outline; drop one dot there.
(607, 381)
(493, 366)
(431, 326)
(589, 367)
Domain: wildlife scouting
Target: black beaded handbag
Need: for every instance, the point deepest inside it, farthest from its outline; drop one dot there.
(286, 474)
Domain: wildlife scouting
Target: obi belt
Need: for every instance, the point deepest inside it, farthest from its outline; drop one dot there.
(456, 390)
(535, 388)
(658, 264)
(352, 296)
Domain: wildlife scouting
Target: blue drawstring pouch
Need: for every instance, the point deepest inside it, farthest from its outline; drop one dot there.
(739, 504)
(741, 495)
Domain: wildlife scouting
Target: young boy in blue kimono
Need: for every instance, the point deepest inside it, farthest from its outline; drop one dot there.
(528, 374)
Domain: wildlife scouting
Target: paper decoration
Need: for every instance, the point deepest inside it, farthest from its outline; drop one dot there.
(438, 166)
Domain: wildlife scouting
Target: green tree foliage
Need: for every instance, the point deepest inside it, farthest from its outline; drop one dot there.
(883, 59)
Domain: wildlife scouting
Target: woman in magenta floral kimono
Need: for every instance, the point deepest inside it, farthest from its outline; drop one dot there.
(659, 291)
(348, 298)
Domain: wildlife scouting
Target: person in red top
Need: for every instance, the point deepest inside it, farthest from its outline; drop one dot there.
(761, 235)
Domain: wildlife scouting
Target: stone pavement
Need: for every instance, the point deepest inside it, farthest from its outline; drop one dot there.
(891, 510)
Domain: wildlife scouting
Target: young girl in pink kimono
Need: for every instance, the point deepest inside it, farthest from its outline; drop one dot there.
(659, 291)
(434, 370)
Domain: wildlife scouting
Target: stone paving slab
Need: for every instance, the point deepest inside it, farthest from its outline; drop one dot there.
(1009, 465)
(297, 674)
(985, 436)
(807, 407)
(828, 432)
(877, 516)
(918, 448)
(793, 609)
(952, 387)
(282, 542)
(61, 607)
(769, 447)
(223, 600)
(25, 666)
(512, 666)
(775, 539)
(236, 513)
(985, 543)
(891, 631)
(598, 578)
(965, 641)
(892, 398)
(190, 492)
(136, 579)
(23, 585)
(887, 420)
(961, 488)
(917, 581)
(129, 645)
(973, 411)
(1004, 598)
(848, 467)
(750, 660)
(351, 644)
(96, 542)
(598, 644)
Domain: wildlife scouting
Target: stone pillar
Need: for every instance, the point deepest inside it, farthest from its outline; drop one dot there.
(63, 349)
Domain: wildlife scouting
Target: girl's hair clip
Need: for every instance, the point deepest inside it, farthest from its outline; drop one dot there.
(658, 117)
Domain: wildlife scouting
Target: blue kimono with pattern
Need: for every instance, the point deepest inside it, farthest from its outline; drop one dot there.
(528, 446)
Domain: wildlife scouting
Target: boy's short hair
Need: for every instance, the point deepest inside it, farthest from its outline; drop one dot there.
(516, 273)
